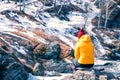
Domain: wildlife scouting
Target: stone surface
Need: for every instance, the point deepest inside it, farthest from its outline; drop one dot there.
(112, 19)
(53, 51)
(59, 66)
(15, 72)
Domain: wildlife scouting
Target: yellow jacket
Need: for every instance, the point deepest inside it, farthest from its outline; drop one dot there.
(84, 50)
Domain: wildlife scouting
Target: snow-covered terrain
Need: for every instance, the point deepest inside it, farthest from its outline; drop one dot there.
(14, 23)
(53, 25)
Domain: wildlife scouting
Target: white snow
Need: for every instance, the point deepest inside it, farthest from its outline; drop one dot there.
(99, 46)
(53, 23)
(106, 39)
(14, 35)
(31, 77)
(117, 54)
(32, 35)
(5, 28)
(101, 62)
(118, 6)
(6, 6)
(21, 50)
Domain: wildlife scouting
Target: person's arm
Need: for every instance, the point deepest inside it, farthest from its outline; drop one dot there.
(77, 54)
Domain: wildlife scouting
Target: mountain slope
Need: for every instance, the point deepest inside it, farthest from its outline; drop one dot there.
(44, 35)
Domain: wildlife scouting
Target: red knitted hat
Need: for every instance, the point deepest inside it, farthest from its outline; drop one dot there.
(81, 33)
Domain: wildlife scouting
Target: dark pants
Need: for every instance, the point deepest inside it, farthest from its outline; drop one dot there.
(76, 64)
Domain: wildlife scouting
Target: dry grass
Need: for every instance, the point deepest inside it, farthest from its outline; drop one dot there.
(40, 49)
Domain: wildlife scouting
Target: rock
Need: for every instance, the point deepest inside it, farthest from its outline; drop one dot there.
(6, 61)
(62, 15)
(60, 66)
(38, 69)
(53, 51)
(72, 31)
(109, 75)
(47, 2)
(117, 54)
(91, 75)
(2, 67)
(45, 51)
(92, 0)
(113, 18)
(99, 3)
(81, 75)
(84, 75)
(15, 72)
(1, 58)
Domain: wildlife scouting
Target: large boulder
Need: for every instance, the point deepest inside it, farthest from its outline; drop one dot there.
(46, 51)
(53, 51)
(109, 40)
(5, 61)
(15, 72)
(61, 66)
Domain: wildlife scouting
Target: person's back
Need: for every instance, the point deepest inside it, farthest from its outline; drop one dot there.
(84, 51)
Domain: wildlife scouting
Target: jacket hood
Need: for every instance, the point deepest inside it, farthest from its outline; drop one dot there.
(85, 38)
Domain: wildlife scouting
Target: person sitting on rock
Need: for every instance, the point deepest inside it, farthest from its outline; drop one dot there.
(84, 51)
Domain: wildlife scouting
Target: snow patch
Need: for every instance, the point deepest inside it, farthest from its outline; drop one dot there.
(118, 6)
(5, 29)
(32, 77)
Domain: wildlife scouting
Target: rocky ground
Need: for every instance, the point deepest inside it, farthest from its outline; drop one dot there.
(34, 50)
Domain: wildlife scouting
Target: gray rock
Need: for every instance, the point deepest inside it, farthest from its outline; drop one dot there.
(1, 58)
(53, 51)
(38, 69)
(15, 72)
(113, 18)
(61, 66)
(81, 75)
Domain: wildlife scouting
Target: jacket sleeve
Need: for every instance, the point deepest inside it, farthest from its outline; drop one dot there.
(77, 54)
